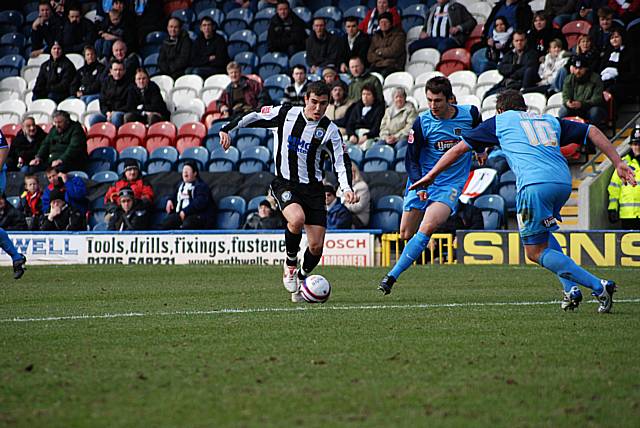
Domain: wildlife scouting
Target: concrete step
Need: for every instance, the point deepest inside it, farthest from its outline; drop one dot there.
(569, 211)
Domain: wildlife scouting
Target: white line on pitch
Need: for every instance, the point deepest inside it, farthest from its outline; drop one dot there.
(292, 309)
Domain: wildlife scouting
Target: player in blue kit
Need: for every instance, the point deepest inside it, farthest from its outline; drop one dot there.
(5, 243)
(531, 144)
(434, 132)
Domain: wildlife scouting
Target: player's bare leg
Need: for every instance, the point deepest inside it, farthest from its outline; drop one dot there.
(294, 215)
(435, 214)
(409, 223)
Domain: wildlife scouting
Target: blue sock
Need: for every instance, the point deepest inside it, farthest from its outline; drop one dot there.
(566, 268)
(7, 246)
(567, 284)
(411, 252)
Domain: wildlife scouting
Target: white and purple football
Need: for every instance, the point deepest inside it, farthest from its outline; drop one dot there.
(315, 289)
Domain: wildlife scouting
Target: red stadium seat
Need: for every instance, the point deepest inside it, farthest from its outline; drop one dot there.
(474, 37)
(573, 30)
(160, 134)
(454, 60)
(171, 6)
(100, 135)
(10, 130)
(130, 135)
(46, 127)
(190, 135)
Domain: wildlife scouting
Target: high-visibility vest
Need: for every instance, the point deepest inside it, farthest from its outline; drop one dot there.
(625, 199)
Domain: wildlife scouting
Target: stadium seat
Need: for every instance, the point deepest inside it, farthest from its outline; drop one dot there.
(222, 161)
(182, 117)
(80, 174)
(425, 55)
(243, 142)
(138, 154)
(553, 104)
(423, 78)
(273, 63)
(231, 210)
(39, 60)
(152, 44)
(107, 156)
(164, 82)
(480, 11)
(262, 19)
(76, 59)
(387, 213)
(212, 12)
(129, 135)
(413, 16)
(248, 61)
(493, 210)
(237, 20)
(10, 21)
(15, 83)
(275, 86)
(14, 39)
(474, 37)
(358, 11)
(101, 135)
(573, 30)
(160, 134)
(151, 63)
(186, 88)
(10, 65)
(10, 130)
(331, 15)
(262, 46)
(536, 102)
(254, 159)
(240, 41)
(298, 58)
(198, 154)
(105, 177)
(379, 157)
(74, 107)
(11, 111)
(162, 159)
(485, 81)
(253, 205)
(43, 105)
(464, 78)
(355, 154)
(190, 135)
(14, 200)
(454, 60)
(507, 189)
(303, 13)
(187, 16)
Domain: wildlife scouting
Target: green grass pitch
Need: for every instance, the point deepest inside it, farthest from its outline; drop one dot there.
(210, 346)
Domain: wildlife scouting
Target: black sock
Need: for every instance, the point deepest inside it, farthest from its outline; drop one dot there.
(308, 263)
(292, 242)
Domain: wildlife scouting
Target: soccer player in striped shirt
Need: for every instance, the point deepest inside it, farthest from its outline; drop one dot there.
(303, 138)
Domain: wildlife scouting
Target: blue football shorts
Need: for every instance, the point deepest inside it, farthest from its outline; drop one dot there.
(538, 209)
(448, 195)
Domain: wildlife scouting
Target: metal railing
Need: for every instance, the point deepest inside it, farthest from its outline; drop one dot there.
(441, 249)
(592, 162)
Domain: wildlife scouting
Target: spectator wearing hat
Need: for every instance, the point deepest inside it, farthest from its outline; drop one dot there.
(338, 105)
(61, 216)
(10, 217)
(144, 101)
(192, 208)
(265, 218)
(175, 52)
(131, 179)
(64, 148)
(355, 42)
(73, 188)
(55, 77)
(130, 214)
(329, 75)
(294, 93)
(338, 216)
(387, 53)
(398, 119)
(447, 26)
(209, 51)
(286, 31)
(624, 201)
(582, 93)
(25, 145)
(323, 48)
(370, 23)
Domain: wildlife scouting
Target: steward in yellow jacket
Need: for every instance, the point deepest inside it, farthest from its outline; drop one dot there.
(624, 201)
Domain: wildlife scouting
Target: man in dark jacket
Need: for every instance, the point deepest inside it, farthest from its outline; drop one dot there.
(387, 52)
(175, 51)
(144, 102)
(61, 216)
(582, 93)
(65, 147)
(323, 48)
(131, 214)
(338, 216)
(120, 52)
(265, 218)
(447, 26)
(55, 77)
(10, 217)
(286, 31)
(45, 29)
(354, 43)
(209, 51)
(114, 95)
(77, 31)
(519, 66)
(88, 81)
(192, 207)
(25, 145)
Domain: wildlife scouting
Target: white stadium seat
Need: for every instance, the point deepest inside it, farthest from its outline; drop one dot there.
(74, 107)
(423, 78)
(480, 11)
(182, 117)
(469, 100)
(9, 94)
(194, 105)
(417, 68)
(30, 72)
(432, 56)
(413, 34)
(15, 83)
(164, 82)
(39, 60)
(536, 102)
(44, 105)
(464, 78)
(76, 59)
(217, 81)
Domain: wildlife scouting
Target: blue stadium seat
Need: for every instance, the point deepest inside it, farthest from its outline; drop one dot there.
(167, 153)
(355, 154)
(254, 203)
(240, 41)
(14, 39)
(399, 164)
(221, 160)
(231, 210)
(187, 16)
(315, 5)
(80, 174)
(216, 14)
(152, 43)
(507, 189)
(358, 11)
(303, 13)
(97, 165)
(298, 58)
(275, 86)
(136, 153)
(243, 142)
(262, 47)
(254, 159)
(261, 133)
(10, 21)
(201, 5)
(273, 63)
(97, 204)
(101, 227)
(248, 61)
(95, 218)
(14, 200)
(493, 210)
(105, 177)
(331, 15)
(212, 142)
(155, 166)
(10, 65)
(151, 64)
(198, 154)
(262, 19)
(237, 19)
(387, 213)
(216, 127)
(413, 16)
(108, 154)
(379, 157)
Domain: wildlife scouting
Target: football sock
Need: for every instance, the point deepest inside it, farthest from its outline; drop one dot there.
(411, 252)
(566, 268)
(567, 284)
(309, 262)
(8, 247)
(292, 243)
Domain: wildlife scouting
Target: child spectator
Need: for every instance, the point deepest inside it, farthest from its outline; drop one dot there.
(31, 202)
(338, 216)
(132, 179)
(548, 71)
(130, 214)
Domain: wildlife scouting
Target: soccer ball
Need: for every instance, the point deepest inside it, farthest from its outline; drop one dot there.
(315, 289)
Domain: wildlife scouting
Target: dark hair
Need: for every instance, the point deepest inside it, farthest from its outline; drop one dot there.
(605, 12)
(44, 3)
(65, 115)
(618, 30)
(300, 66)
(209, 19)
(143, 71)
(116, 61)
(351, 19)
(282, 2)
(503, 19)
(328, 188)
(510, 99)
(521, 32)
(51, 169)
(539, 14)
(356, 57)
(180, 23)
(439, 85)
(73, 6)
(369, 87)
(318, 18)
(319, 88)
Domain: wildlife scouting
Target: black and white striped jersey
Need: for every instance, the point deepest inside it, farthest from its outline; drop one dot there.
(300, 145)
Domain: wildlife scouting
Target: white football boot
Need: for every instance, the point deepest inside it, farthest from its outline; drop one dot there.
(290, 278)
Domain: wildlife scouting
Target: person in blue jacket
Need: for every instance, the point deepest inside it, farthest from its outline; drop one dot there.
(192, 207)
(338, 216)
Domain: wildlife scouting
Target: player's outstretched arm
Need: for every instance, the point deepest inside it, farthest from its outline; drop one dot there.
(445, 162)
(625, 172)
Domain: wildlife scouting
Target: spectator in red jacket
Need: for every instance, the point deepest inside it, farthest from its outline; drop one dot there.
(241, 95)
(132, 178)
